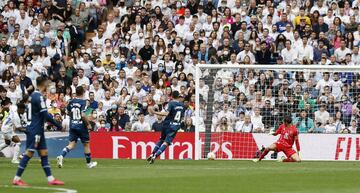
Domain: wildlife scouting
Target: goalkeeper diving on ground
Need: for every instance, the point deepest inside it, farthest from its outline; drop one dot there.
(288, 136)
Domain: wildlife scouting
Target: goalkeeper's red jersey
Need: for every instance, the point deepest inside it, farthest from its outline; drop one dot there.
(287, 135)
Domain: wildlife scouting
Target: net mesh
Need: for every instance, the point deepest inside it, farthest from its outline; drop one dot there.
(237, 101)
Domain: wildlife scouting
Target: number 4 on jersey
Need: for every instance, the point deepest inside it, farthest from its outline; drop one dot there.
(177, 116)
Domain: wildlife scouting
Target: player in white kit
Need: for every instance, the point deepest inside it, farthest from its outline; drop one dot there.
(16, 120)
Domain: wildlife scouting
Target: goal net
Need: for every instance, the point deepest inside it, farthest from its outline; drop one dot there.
(237, 104)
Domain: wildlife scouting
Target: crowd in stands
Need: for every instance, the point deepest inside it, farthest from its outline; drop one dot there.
(130, 55)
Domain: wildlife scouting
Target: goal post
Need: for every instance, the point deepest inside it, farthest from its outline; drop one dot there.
(238, 105)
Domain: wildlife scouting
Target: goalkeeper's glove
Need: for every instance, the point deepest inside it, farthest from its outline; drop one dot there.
(272, 132)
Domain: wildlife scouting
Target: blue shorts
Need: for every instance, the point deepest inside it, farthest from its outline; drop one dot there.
(169, 133)
(30, 142)
(81, 134)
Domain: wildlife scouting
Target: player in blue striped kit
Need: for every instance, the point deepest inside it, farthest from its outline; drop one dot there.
(174, 116)
(35, 138)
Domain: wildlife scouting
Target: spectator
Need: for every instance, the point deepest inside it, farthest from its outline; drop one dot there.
(341, 52)
(256, 121)
(331, 126)
(303, 123)
(124, 118)
(322, 116)
(289, 54)
(246, 52)
(141, 125)
(102, 127)
(112, 112)
(14, 94)
(158, 126)
(54, 110)
(114, 125)
(346, 110)
(307, 100)
(226, 112)
(353, 128)
(267, 113)
(264, 55)
(244, 126)
(93, 103)
(188, 126)
(224, 125)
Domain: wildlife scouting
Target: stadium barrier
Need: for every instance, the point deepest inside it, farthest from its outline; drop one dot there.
(138, 145)
(327, 147)
(225, 145)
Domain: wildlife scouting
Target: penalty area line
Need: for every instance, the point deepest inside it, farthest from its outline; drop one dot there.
(54, 190)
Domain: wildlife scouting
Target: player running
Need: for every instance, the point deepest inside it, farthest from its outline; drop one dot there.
(79, 126)
(288, 135)
(35, 138)
(15, 121)
(174, 116)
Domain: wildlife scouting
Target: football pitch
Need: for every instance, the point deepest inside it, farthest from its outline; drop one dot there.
(136, 176)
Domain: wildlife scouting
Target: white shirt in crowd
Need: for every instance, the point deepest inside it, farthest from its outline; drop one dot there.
(241, 126)
(355, 58)
(15, 96)
(322, 83)
(141, 126)
(86, 66)
(98, 94)
(130, 71)
(305, 51)
(84, 81)
(242, 54)
(336, 88)
(289, 56)
(181, 29)
(257, 122)
(322, 117)
(341, 53)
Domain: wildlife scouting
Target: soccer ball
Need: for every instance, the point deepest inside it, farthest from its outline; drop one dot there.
(211, 156)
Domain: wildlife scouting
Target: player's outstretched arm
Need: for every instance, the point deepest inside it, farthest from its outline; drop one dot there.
(297, 143)
(275, 133)
(151, 110)
(272, 132)
(51, 119)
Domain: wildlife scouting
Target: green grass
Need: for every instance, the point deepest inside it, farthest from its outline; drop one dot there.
(135, 176)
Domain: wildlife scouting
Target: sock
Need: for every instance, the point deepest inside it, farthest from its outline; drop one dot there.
(264, 153)
(161, 149)
(23, 163)
(88, 157)
(45, 165)
(50, 178)
(289, 159)
(3, 146)
(65, 151)
(157, 146)
(17, 178)
(16, 151)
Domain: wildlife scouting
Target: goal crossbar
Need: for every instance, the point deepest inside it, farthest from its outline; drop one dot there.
(337, 68)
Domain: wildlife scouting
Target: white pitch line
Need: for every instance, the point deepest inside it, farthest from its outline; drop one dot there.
(56, 190)
(217, 168)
